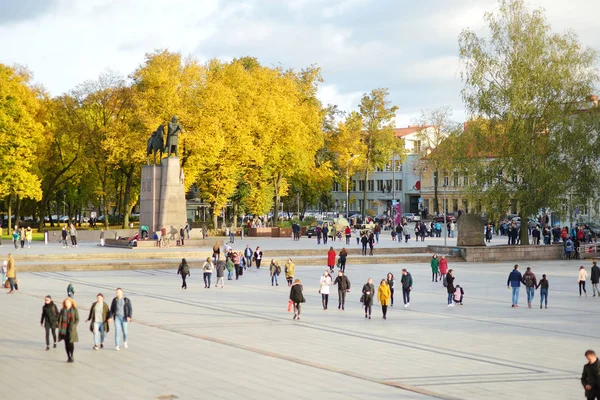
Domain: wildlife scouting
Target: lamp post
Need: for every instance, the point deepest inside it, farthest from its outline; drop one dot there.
(347, 183)
(393, 193)
(444, 211)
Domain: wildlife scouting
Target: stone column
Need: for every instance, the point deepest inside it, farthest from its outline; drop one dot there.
(172, 211)
(150, 197)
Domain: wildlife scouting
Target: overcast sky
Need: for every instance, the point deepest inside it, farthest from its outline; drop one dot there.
(407, 46)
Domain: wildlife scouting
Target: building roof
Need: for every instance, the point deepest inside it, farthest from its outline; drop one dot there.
(402, 132)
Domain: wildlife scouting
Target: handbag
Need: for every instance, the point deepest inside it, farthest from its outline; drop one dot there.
(290, 306)
(362, 298)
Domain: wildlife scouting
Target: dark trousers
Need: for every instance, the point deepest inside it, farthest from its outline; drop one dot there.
(392, 298)
(364, 249)
(406, 295)
(582, 286)
(384, 310)
(342, 298)
(368, 308)
(325, 239)
(370, 250)
(11, 281)
(183, 283)
(258, 263)
(593, 394)
(22, 243)
(69, 347)
(48, 330)
(325, 300)
(207, 276)
(343, 266)
(347, 239)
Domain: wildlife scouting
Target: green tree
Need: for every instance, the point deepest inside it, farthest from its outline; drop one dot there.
(523, 86)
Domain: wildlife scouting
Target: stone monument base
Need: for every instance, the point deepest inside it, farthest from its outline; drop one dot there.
(470, 230)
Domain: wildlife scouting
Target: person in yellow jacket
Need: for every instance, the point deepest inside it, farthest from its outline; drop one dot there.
(11, 274)
(384, 294)
(28, 236)
(290, 268)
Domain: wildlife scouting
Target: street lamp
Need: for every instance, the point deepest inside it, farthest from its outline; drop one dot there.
(444, 211)
(347, 182)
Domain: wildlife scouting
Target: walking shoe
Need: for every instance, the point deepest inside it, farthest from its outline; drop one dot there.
(54, 345)
(369, 317)
(295, 316)
(95, 347)
(101, 345)
(339, 307)
(516, 306)
(540, 306)
(125, 345)
(117, 348)
(366, 315)
(406, 305)
(546, 306)
(47, 348)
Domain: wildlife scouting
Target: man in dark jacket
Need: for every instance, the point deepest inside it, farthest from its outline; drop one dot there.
(595, 277)
(120, 311)
(590, 378)
(529, 281)
(407, 283)
(343, 285)
(514, 282)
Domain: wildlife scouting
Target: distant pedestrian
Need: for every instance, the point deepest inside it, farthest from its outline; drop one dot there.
(590, 377)
(236, 259)
(11, 274)
(530, 282)
(368, 292)
(595, 277)
(331, 259)
(182, 236)
(216, 252)
(258, 255)
(391, 283)
(207, 270)
(435, 270)
(184, 271)
(371, 243)
(407, 284)
(383, 295)
(342, 257)
(343, 285)
(364, 240)
(544, 286)
(568, 248)
(98, 319)
(232, 234)
(582, 278)
(347, 233)
(274, 271)
(70, 290)
(297, 297)
(49, 320)
(325, 231)
(22, 237)
(101, 237)
(443, 266)
(121, 312)
(67, 327)
(15, 237)
(220, 268)
(324, 284)
(230, 267)
(514, 283)
(63, 235)
(357, 235)
(248, 256)
(28, 236)
(450, 287)
(290, 268)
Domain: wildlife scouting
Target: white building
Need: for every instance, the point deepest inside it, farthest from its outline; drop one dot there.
(397, 181)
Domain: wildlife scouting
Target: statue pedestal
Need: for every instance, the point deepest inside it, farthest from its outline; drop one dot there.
(162, 196)
(470, 230)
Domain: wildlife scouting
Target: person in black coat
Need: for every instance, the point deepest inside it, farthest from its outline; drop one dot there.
(590, 377)
(49, 320)
(343, 285)
(368, 292)
(450, 287)
(595, 278)
(297, 297)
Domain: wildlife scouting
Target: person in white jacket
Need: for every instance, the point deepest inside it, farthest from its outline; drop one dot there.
(324, 284)
(582, 279)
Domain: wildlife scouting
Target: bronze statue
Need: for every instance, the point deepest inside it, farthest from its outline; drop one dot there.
(156, 143)
(173, 136)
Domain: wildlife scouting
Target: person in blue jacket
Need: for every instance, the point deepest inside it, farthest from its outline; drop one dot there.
(514, 282)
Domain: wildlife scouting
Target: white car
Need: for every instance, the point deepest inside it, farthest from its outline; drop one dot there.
(411, 217)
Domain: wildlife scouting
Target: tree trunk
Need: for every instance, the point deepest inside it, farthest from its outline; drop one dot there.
(17, 211)
(276, 183)
(365, 187)
(524, 230)
(9, 207)
(235, 213)
(126, 199)
(215, 216)
(436, 203)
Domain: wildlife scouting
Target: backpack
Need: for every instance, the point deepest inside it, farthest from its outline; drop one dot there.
(528, 281)
(445, 281)
(186, 269)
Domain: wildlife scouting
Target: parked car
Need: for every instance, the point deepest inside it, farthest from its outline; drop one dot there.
(411, 217)
(449, 218)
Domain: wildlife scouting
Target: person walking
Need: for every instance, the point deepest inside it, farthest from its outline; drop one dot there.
(248, 256)
(274, 271)
(230, 267)
(347, 233)
(220, 268)
(544, 285)
(368, 292)
(236, 260)
(11, 273)
(290, 268)
(297, 297)
(391, 281)
(371, 243)
(98, 319)
(514, 283)
(582, 278)
(590, 377)
(529, 281)
(343, 256)
(435, 270)
(121, 312)
(377, 231)
(258, 255)
(595, 277)
(15, 237)
(357, 235)
(70, 290)
(49, 320)
(216, 251)
(325, 232)
(407, 283)
(231, 234)
(184, 271)
(28, 236)
(207, 269)
(364, 240)
(343, 285)
(443, 267)
(73, 234)
(324, 284)
(383, 295)
(22, 237)
(181, 236)
(450, 287)
(331, 259)
(67, 327)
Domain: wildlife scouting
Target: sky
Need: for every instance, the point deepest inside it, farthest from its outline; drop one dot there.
(407, 46)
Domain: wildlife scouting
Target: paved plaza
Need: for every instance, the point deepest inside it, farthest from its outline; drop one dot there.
(240, 341)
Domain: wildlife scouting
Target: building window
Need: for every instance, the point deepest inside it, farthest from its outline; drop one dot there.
(361, 185)
(465, 180)
(417, 146)
(398, 166)
(455, 206)
(388, 166)
(371, 185)
(360, 205)
(398, 184)
(388, 185)
(455, 179)
(353, 186)
(380, 187)
(446, 181)
(336, 187)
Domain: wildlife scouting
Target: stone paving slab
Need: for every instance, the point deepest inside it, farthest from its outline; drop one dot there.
(240, 342)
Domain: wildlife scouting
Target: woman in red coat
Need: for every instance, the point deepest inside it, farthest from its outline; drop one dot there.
(443, 267)
(331, 258)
